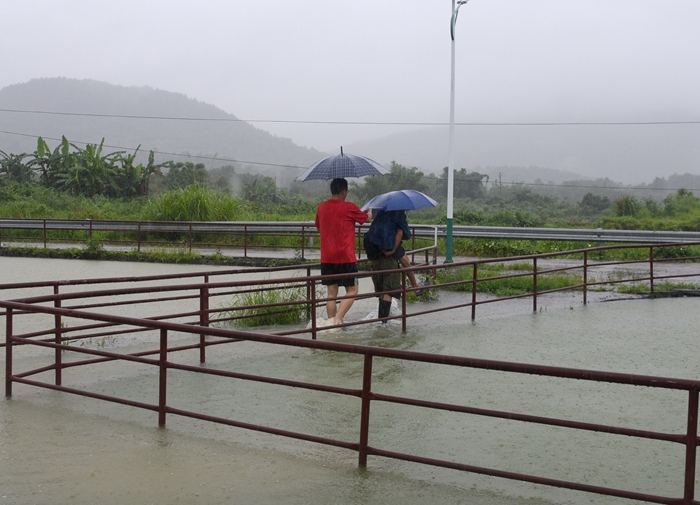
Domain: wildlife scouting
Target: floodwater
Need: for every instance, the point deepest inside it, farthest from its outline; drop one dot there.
(60, 448)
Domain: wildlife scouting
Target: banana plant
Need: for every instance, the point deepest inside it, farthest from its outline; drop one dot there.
(133, 179)
(13, 167)
(50, 163)
(92, 173)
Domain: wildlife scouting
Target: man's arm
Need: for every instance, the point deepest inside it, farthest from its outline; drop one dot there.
(399, 236)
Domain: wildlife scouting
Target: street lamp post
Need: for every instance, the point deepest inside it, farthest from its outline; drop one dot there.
(451, 165)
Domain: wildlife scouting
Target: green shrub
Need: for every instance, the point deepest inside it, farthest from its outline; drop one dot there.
(195, 203)
(263, 316)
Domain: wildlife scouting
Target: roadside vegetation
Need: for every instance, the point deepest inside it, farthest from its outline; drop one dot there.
(521, 283)
(262, 307)
(70, 182)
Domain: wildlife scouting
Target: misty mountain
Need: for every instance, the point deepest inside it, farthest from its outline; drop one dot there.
(223, 137)
(628, 153)
(632, 154)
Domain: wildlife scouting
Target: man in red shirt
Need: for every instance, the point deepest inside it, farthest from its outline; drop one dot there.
(335, 221)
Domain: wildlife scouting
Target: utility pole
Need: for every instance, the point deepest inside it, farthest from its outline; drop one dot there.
(451, 165)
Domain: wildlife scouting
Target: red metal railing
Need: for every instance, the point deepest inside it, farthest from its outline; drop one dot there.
(162, 357)
(99, 314)
(577, 261)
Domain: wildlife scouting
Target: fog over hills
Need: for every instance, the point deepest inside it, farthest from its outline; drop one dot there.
(223, 139)
(631, 154)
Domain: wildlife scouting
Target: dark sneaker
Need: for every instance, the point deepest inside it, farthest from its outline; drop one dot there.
(421, 291)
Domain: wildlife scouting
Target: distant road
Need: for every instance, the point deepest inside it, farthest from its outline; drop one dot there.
(307, 228)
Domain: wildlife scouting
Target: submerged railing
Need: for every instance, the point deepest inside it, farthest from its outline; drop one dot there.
(58, 321)
(472, 281)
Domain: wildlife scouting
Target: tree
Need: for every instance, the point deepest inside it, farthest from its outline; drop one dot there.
(591, 203)
(682, 202)
(133, 180)
(259, 189)
(14, 168)
(627, 205)
(400, 177)
(221, 178)
(181, 175)
(51, 163)
(466, 185)
(89, 172)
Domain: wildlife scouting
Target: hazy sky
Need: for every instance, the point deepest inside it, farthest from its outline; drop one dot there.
(373, 60)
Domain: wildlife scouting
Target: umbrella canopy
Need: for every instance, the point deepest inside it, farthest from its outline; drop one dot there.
(403, 199)
(342, 165)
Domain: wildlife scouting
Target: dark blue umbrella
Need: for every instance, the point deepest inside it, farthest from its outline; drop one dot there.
(403, 199)
(342, 165)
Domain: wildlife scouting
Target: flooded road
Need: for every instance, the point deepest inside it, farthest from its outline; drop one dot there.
(59, 448)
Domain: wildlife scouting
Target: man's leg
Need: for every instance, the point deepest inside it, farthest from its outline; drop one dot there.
(407, 264)
(384, 306)
(346, 303)
(330, 304)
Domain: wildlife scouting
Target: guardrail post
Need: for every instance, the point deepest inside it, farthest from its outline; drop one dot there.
(413, 244)
(245, 240)
(585, 277)
(163, 376)
(138, 237)
(475, 272)
(651, 269)
(435, 252)
(8, 352)
(403, 302)
(303, 238)
(691, 448)
(190, 238)
(203, 318)
(44, 233)
(308, 294)
(364, 414)
(534, 284)
(58, 337)
(313, 305)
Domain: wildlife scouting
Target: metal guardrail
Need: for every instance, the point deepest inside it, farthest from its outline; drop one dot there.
(308, 228)
(587, 235)
(246, 235)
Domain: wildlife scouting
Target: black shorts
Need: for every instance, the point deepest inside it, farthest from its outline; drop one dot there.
(386, 281)
(399, 253)
(337, 269)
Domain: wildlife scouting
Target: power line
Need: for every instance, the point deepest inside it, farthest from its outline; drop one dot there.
(165, 153)
(457, 179)
(357, 123)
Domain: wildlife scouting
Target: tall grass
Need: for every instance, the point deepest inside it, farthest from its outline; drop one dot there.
(244, 311)
(658, 286)
(25, 201)
(196, 203)
(506, 286)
